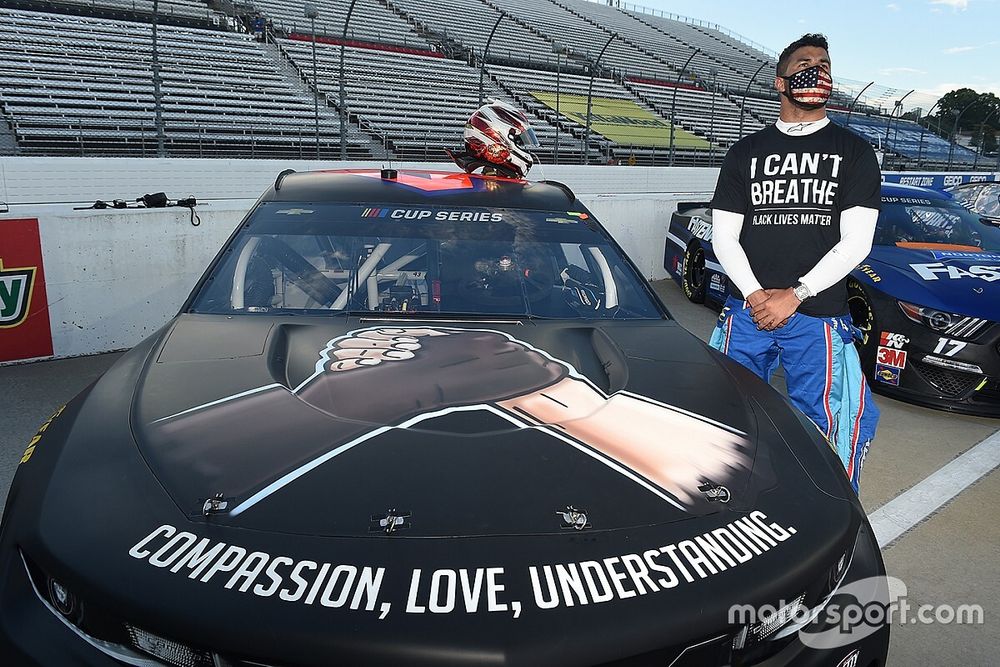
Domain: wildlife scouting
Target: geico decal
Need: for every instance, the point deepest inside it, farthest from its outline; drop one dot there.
(932, 271)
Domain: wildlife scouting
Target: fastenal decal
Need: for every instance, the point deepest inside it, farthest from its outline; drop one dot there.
(938, 270)
(467, 590)
(25, 332)
(700, 229)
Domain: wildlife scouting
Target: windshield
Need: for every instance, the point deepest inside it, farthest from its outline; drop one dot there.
(322, 258)
(907, 220)
(981, 199)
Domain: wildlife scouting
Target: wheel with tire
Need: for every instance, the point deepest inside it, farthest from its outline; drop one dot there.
(693, 273)
(863, 316)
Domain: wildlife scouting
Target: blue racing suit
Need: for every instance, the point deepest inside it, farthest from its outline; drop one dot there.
(826, 384)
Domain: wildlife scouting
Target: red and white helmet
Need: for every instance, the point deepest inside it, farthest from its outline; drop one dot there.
(496, 137)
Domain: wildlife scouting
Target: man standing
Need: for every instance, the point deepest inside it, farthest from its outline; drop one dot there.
(794, 212)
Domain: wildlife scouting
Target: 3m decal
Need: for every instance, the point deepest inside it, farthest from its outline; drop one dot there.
(890, 357)
(25, 332)
(893, 340)
(949, 347)
(467, 590)
(887, 374)
(936, 270)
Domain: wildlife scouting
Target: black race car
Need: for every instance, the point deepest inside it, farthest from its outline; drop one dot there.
(425, 418)
(927, 298)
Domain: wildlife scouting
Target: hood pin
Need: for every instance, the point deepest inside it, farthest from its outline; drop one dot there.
(574, 518)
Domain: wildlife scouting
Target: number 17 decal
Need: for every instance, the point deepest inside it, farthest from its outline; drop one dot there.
(955, 346)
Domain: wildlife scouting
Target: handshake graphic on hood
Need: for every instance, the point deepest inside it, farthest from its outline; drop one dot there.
(385, 376)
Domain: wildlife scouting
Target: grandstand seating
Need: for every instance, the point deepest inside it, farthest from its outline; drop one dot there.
(523, 83)
(370, 21)
(585, 38)
(73, 85)
(765, 109)
(185, 9)
(418, 104)
(469, 22)
(905, 138)
(721, 50)
(661, 42)
(722, 122)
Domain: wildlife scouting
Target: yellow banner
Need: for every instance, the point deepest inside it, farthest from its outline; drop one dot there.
(622, 121)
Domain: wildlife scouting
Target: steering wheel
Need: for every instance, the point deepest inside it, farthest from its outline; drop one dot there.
(582, 292)
(304, 275)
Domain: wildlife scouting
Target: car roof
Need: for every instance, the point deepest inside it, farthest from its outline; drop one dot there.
(897, 190)
(418, 187)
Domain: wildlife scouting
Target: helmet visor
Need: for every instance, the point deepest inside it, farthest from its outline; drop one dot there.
(526, 138)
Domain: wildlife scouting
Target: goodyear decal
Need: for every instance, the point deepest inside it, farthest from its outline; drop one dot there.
(38, 436)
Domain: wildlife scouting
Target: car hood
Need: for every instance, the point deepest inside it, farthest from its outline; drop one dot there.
(483, 566)
(483, 429)
(958, 280)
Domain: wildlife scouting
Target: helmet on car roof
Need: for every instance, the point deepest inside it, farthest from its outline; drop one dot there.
(497, 137)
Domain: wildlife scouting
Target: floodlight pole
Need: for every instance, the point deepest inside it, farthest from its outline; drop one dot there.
(673, 102)
(711, 118)
(897, 105)
(311, 13)
(590, 97)
(343, 95)
(920, 146)
(558, 48)
(743, 104)
(982, 137)
(157, 93)
(486, 52)
(954, 130)
(857, 97)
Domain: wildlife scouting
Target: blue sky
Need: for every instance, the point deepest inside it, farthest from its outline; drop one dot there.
(931, 45)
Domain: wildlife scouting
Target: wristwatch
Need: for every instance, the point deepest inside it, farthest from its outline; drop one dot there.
(801, 292)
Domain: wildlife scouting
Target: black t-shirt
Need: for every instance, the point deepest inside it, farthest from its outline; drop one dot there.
(791, 190)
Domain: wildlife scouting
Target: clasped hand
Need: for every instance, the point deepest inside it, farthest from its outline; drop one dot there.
(772, 308)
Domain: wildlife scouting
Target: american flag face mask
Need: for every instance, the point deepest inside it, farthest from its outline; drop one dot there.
(809, 88)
